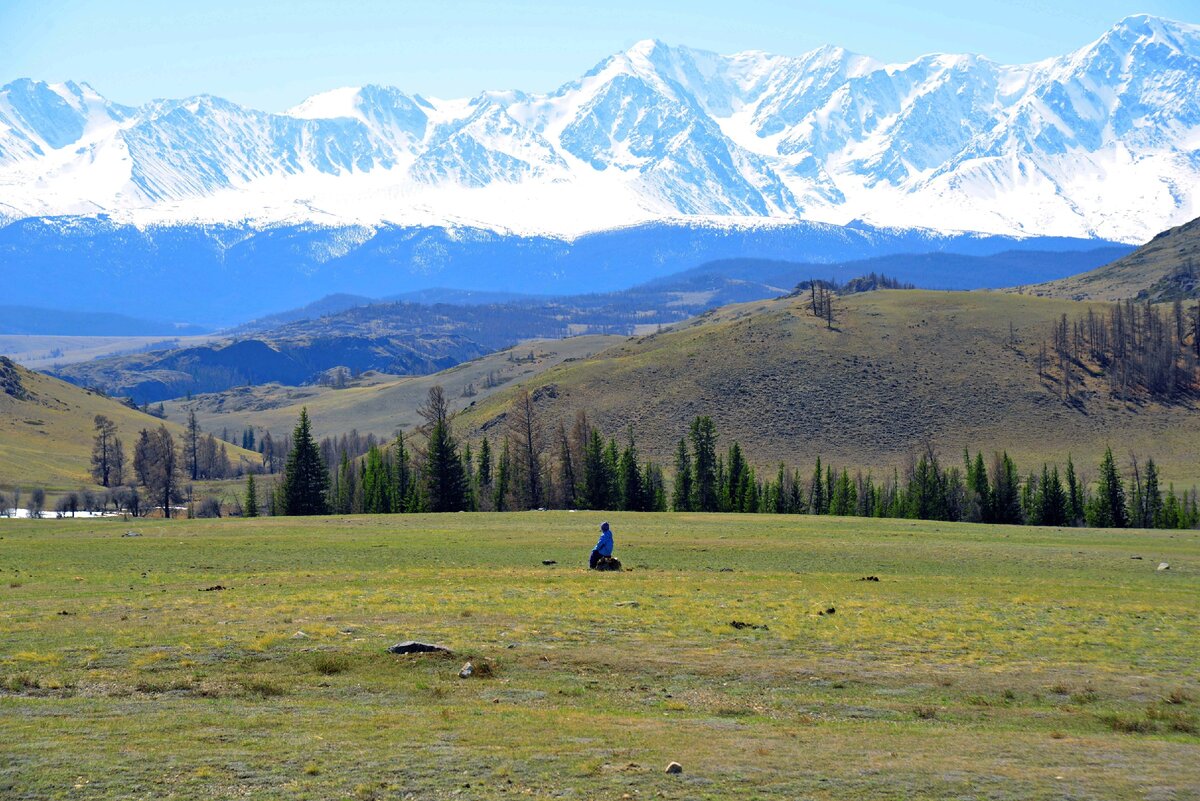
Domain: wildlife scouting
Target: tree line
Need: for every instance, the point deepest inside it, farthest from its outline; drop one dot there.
(517, 466)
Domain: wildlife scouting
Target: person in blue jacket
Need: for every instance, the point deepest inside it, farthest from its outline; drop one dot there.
(604, 546)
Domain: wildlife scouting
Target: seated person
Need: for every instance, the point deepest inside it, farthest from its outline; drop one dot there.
(604, 546)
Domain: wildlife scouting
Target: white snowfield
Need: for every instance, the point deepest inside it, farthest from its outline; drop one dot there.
(1104, 141)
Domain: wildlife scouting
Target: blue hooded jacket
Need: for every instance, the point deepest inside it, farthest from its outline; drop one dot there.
(604, 546)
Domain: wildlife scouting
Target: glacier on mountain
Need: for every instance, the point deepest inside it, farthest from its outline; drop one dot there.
(1102, 142)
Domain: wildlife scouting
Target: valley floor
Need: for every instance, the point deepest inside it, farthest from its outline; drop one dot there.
(247, 658)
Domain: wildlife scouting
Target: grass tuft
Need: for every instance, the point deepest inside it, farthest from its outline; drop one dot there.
(330, 664)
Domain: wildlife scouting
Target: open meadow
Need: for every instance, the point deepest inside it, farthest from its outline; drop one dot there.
(247, 658)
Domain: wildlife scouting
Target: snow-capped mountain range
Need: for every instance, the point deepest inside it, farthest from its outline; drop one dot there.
(1102, 142)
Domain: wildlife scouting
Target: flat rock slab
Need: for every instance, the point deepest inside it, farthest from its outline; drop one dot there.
(414, 647)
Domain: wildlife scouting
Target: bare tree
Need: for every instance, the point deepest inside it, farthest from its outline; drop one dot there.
(525, 436)
(102, 450)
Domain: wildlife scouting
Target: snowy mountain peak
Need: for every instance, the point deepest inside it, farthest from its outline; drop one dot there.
(1104, 141)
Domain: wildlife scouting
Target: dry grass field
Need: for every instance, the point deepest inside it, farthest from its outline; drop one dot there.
(247, 659)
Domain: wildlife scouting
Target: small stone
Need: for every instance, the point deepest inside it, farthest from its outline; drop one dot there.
(674, 767)
(1164, 565)
(633, 604)
(299, 635)
(548, 562)
(468, 670)
(414, 647)
(132, 534)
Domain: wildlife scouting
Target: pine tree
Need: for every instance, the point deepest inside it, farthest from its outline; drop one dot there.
(1152, 500)
(566, 465)
(503, 470)
(402, 481)
(1005, 491)
(630, 478)
(595, 478)
(704, 477)
(681, 497)
(445, 479)
(305, 479)
(1052, 499)
(816, 494)
(612, 466)
(845, 497)
(485, 463)
(251, 497)
(1107, 509)
(376, 482)
(978, 490)
(1074, 495)
(733, 491)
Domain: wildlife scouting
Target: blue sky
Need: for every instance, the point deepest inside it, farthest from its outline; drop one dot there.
(271, 54)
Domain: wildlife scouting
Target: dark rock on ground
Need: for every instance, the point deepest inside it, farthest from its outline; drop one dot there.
(741, 624)
(414, 647)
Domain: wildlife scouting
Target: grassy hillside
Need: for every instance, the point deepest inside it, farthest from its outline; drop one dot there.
(901, 368)
(46, 429)
(375, 405)
(1165, 268)
(986, 662)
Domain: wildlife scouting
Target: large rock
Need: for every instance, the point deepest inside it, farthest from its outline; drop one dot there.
(414, 647)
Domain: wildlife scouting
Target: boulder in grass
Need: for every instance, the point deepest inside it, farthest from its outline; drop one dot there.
(1164, 565)
(674, 767)
(414, 647)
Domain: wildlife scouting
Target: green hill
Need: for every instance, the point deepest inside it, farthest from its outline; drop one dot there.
(1165, 268)
(379, 404)
(46, 429)
(899, 369)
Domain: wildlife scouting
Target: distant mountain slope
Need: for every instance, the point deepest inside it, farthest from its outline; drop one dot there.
(46, 429)
(1165, 268)
(900, 368)
(381, 405)
(654, 133)
(295, 357)
(226, 274)
(42, 321)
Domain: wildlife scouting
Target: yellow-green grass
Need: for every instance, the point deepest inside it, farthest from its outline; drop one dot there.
(46, 439)
(902, 368)
(986, 663)
(382, 407)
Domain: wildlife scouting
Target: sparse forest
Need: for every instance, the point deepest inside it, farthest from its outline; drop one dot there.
(1138, 351)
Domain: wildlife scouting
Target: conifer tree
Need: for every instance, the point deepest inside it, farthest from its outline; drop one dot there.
(595, 477)
(1005, 491)
(251, 497)
(376, 484)
(445, 487)
(485, 466)
(566, 465)
(402, 481)
(630, 478)
(1107, 509)
(681, 497)
(501, 484)
(1074, 495)
(305, 478)
(703, 434)
(845, 497)
(816, 495)
(1152, 500)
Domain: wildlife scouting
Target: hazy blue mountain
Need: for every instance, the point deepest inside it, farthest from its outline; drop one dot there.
(226, 274)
